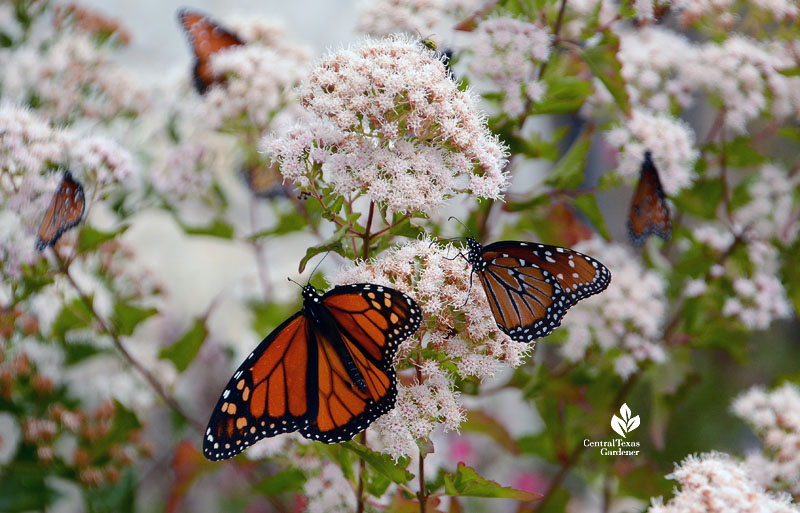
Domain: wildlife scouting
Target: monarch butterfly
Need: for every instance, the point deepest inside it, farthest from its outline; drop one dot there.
(65, 211)
(206, 37)
(649, 213)
(326, 372)
(530, 286)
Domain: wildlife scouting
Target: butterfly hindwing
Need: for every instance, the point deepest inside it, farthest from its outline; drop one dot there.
(273, 391)
(65, 211)
(206, 38)
(371, 322)
(327, 371)
(649, 212)
(530, 286)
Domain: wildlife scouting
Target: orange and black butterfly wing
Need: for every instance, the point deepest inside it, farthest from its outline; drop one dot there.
(206, 38)
(371, 322)
(649, 213)
(65, 211)
(530, 286)
(273, 391)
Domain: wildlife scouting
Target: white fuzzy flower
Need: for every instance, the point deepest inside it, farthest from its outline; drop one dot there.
(671, 142)
(507, 54)
(420, 18)
(389, 123)
(716, 483)
(627, 316)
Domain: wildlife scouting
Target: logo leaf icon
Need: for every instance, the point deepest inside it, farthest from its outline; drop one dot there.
(632, 424)
(618, 425)
(625, 412)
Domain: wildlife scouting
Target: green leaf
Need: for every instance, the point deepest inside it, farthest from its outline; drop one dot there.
(479, 422)
(23, 488)
(602, 61)
(701, 199)
(587, 204)
(406, 229)
(739, 153)
(77, 352)
(74, 315)
(536, 201)
(564, 95)
(289, 480)
(183, 351)
(125, 422)
(91, 238)
(217, 228)
(332, 244)
(467, 483)
(119, 497)
(127, 317)
(382, 463)
(290, 222)
(568, 173)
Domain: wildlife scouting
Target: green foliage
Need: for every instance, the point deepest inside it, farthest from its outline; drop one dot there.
(182, 352)
(90, 238)
(284, 481)
(465, 482)
(568, 173)
(602, 60)
(127, 317)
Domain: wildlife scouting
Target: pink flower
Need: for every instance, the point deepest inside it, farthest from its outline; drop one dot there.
(387, 122)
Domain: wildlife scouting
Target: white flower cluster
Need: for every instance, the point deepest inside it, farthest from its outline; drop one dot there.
(722, 11)
(743, 74)
(771, 213)
(464, 334)
(651, 59)
(329, 492)
(580, 11)
(260, 78)
(628, 316)
(30, 153)
(670, 140)
(716, 483)
(185, 171)
(775, 417)
(508, 54)
(70, 77)
(388, 122)
(414, 17)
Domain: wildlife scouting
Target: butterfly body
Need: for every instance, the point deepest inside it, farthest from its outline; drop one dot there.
(326, 372)
(649, 213)
(531, 286)
(64, 212)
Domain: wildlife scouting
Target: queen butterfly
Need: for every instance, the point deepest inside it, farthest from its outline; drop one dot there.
(649, 213)
(326, 372)
(530, 286)
(65, 211)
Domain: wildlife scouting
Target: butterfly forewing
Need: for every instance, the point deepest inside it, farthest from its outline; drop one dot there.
(329, 375)
(206, 38)
(272, 392)
(530, 286)
(649, 212)
(372, 321)
(65, 211)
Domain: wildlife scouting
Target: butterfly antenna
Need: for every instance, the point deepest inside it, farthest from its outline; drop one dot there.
(454, 218)
(317, 266)
(291, 280)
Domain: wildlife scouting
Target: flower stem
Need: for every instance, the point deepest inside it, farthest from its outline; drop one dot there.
(422, 495)
(367, 237)
(362, 438)
(106, 327)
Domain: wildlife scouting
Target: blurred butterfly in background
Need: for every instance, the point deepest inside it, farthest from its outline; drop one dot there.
(326, 372)
(65, 211)
(530, 286)
(206, 37)
(264, 180)
(649, 213)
